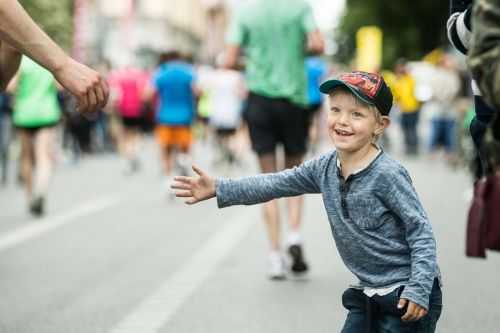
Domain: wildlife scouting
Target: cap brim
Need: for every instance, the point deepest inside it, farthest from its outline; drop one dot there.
(330, 85)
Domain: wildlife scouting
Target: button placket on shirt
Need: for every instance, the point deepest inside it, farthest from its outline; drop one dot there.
(344, 189)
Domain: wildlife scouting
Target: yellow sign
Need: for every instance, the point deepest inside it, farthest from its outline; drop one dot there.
(369, 49)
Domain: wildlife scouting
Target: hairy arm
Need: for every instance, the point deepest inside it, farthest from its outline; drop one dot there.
(20, 31)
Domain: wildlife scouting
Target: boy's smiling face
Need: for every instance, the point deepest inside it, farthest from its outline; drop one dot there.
(352, 125)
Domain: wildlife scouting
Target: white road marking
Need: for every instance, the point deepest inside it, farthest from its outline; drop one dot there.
(157, 309)
(44, 225)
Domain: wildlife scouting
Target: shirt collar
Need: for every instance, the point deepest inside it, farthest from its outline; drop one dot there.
(339, 166)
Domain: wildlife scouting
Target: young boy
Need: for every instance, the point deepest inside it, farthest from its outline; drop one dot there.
(380, 228)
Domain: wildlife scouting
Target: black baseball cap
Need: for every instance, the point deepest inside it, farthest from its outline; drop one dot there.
(369, 87)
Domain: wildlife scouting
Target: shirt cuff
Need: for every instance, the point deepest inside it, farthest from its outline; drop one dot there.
(416, 297)
(221, 192)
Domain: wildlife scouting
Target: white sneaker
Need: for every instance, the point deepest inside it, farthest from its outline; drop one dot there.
(277, 269)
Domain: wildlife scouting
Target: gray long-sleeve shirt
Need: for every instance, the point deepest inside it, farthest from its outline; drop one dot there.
(381, 231)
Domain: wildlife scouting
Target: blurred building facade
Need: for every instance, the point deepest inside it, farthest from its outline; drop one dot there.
(125, 31)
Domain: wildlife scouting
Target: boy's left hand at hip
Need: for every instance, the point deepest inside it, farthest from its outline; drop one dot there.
(413, 311)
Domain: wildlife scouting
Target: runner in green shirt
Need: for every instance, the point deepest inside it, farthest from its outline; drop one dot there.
(36, 97)
(275, 37)
(36, 113)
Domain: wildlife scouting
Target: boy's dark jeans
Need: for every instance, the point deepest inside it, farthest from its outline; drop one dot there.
(379, 314)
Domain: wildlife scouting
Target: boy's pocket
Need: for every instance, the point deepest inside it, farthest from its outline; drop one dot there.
(388, 304)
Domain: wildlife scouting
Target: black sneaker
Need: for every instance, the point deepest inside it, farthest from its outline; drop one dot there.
(299, 266)
(37, 206)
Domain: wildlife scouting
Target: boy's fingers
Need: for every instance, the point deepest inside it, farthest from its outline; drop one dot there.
(191, 201)
(183, 194)
(182, 179)
(410, 313)
(402, 303)
(198, 171)
(421, 313)
(180, 186)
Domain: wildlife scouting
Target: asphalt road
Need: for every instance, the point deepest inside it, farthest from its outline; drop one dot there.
(114, 254)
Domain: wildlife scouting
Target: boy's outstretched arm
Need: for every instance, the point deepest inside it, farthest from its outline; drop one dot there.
(194, 189)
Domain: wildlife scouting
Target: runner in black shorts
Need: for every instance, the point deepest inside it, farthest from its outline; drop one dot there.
(277, 82)
(276, 120)
(132, 122)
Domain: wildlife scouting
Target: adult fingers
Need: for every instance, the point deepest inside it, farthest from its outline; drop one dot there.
(82, 103)
(99, 92)
(92, 100)
(105, 89)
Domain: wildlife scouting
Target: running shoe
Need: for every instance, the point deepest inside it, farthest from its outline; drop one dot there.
(277, 269)
(298, 265)
(37, 206)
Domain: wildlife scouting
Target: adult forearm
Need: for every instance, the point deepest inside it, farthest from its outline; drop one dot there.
(18, 29)
(10, 59)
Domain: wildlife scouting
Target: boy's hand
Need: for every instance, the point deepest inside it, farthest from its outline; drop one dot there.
(414, 311)
(195, 189)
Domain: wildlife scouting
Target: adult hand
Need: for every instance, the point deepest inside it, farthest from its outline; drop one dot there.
(414, 311)
(195, 189)
(87, 85)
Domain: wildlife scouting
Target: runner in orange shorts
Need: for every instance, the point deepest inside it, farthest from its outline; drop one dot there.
(174, 83)
(174, 137)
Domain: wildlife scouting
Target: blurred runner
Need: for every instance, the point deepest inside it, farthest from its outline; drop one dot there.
(404, 96)
(129, 84)
(445, 85)
(36, 114)
(174, 82)
(316, 72)
(204, 110)
(226, 89)
(275, 37)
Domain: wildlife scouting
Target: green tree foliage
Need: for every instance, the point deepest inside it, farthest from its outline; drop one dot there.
(55, 17)
(411, 28)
